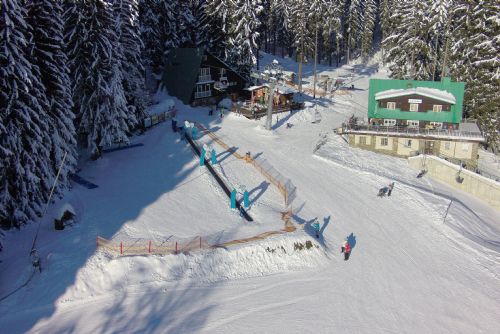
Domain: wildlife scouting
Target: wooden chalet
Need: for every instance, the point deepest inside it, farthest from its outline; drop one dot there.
(254, 99)
(196, 77)
(409, 117)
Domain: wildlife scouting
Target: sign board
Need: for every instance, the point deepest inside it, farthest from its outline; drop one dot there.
(414, 101)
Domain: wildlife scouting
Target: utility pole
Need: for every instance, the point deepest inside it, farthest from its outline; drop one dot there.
(301, 59)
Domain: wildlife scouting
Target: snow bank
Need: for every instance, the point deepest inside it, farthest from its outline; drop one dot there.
(279, 254)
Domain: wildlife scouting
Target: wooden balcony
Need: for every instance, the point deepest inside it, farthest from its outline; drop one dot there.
(200, 95)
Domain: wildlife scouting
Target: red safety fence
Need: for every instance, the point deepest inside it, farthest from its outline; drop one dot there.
(145, 247)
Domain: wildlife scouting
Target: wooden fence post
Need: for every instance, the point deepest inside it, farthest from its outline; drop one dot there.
(176, 248)
(149, 246)
(121, 247)
(200, 241)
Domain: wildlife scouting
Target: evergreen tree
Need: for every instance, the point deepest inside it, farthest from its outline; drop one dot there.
(25, 171)
(332, 32)
(408, 46)
(474, 59)
(295, 13)
(438, 32)
(199, 26)
(129, 40)
(102, 116)
(184, 22)
(220, 15)
(386, 23)
(354, 27)
(45, 18)
(369, 17)
(243, 34)
(150, 30)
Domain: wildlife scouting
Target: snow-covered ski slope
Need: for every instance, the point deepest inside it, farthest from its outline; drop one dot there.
(409, 271)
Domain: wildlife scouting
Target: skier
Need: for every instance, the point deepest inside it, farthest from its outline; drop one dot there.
(221, 112)
(347, 251)
(383, 191)
(343, 246)
(316, 227)
(35, 260)
(390, 189)
(174, 124)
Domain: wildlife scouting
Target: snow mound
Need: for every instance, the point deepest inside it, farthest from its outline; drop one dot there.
(65, 207)
(282, 253)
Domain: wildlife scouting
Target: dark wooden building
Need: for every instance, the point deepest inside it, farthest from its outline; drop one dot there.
(197, 77)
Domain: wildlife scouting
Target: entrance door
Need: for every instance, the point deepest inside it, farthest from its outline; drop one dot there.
(429, 147)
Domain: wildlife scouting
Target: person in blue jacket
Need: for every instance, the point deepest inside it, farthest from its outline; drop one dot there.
(316, 227)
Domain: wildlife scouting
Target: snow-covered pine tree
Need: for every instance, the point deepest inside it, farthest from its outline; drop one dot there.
(45, 19)
(168, 26)
(102, 116)
(149, 21)
(243, 34)
(332, 31)
(386, 23)
(295, 13)
(354, 27)
(126, 14)
(220, 16)
(438, 32)
(408, 46)
(369, 17)
(26, 174)
(199, 27)
(184, 22)
(474, 59)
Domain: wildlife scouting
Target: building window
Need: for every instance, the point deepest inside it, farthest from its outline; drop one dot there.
(389, 122)
(202, 91)
(437, 108)
(384, 141)
(362, 140)
(391, 105)
(412, 123)
(204, 74)
(437, 125)
(447, 145)
(413, 106)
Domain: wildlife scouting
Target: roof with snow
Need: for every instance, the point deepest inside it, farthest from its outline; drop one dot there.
(252, 88)
(283, 89)
(433, 93)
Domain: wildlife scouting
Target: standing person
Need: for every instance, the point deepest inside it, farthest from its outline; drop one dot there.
(221, 112)
(342, 249)
(390, 189)
(211, 111)
(316, 227)
(347, 251)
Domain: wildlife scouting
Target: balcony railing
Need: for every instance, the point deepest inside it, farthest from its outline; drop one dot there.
(199, 95)
(405, 130)
(204, 78)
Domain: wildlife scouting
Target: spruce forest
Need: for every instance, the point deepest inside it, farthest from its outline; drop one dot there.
(73, 73)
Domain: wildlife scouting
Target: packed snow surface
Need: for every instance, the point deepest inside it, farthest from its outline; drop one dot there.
(424, 260)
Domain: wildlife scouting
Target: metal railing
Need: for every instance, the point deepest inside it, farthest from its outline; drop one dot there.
(412, 131)
(204, 78)
(199, 95)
